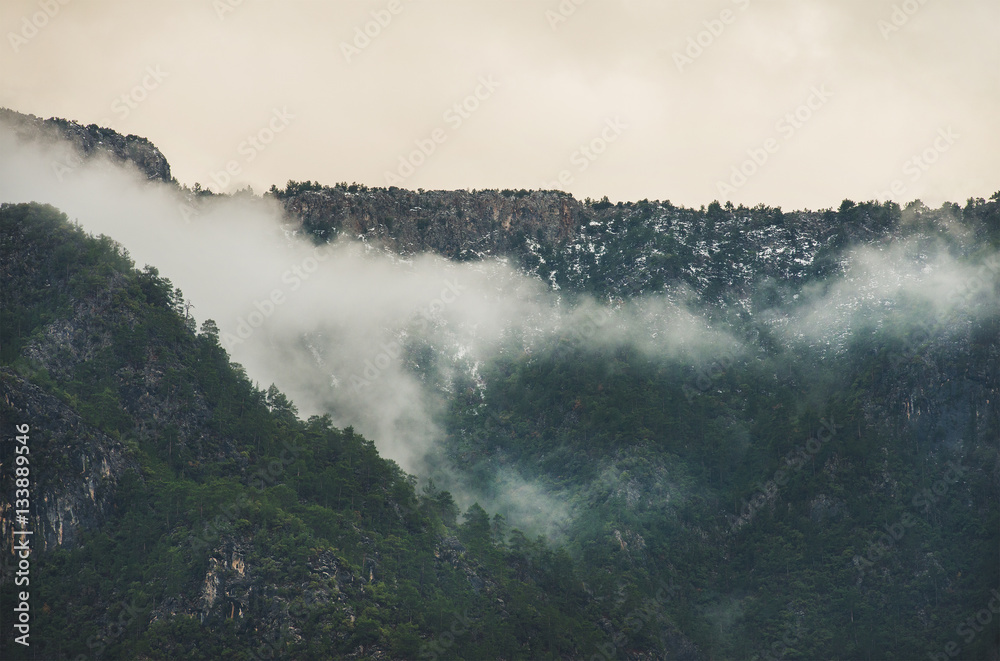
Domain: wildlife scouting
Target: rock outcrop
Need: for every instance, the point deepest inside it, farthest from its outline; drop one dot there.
(75, 468)
(92, 140)
(456, 224)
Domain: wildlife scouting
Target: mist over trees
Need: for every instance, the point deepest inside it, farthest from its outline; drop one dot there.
(650, 431)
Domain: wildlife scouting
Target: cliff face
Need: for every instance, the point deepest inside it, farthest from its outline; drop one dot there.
(618, 249)
(223, 522)
(170, 493)
(455, 224)
(92, 140)
(145, 395)
(75, 468)
(106, 363)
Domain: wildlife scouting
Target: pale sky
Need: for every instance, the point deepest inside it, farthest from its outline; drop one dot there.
(832, 103)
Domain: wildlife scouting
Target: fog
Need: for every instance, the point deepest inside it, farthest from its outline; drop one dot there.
(344, 329)
(562, 69)
(893, 289)
(376, 341)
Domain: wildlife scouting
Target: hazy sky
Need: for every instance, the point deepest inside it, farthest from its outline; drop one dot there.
(660, 116)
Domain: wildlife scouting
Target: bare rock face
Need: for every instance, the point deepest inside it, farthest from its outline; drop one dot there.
(456, 224)
(75, 469)
(228, 587)
(92, 140)
(239, 585)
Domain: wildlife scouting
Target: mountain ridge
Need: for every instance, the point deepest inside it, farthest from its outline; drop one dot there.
(704, 472)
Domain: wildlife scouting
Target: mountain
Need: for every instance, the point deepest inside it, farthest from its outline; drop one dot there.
(90, 141)
(768, 435)
(180, 512)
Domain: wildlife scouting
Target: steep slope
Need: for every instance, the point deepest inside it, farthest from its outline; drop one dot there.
(725, 254)
(760, 481)
(181, 512)
(90, 141)
(804, 485)
(826, 487)
(455, 224)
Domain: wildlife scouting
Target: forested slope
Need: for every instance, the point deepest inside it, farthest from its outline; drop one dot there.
(182, 512)
(756, 433)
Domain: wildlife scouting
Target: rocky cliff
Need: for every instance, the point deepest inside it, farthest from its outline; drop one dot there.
(74, 467)
(175, 501)
(91, 140)
(455, 224)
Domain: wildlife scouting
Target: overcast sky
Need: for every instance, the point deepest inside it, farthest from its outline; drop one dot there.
(833, 98)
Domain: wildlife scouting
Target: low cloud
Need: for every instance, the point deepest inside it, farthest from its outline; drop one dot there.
(377, 341)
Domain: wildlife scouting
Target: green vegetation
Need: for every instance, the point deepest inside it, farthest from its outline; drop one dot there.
(670, 465)
(733, 506)
(226, 466)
